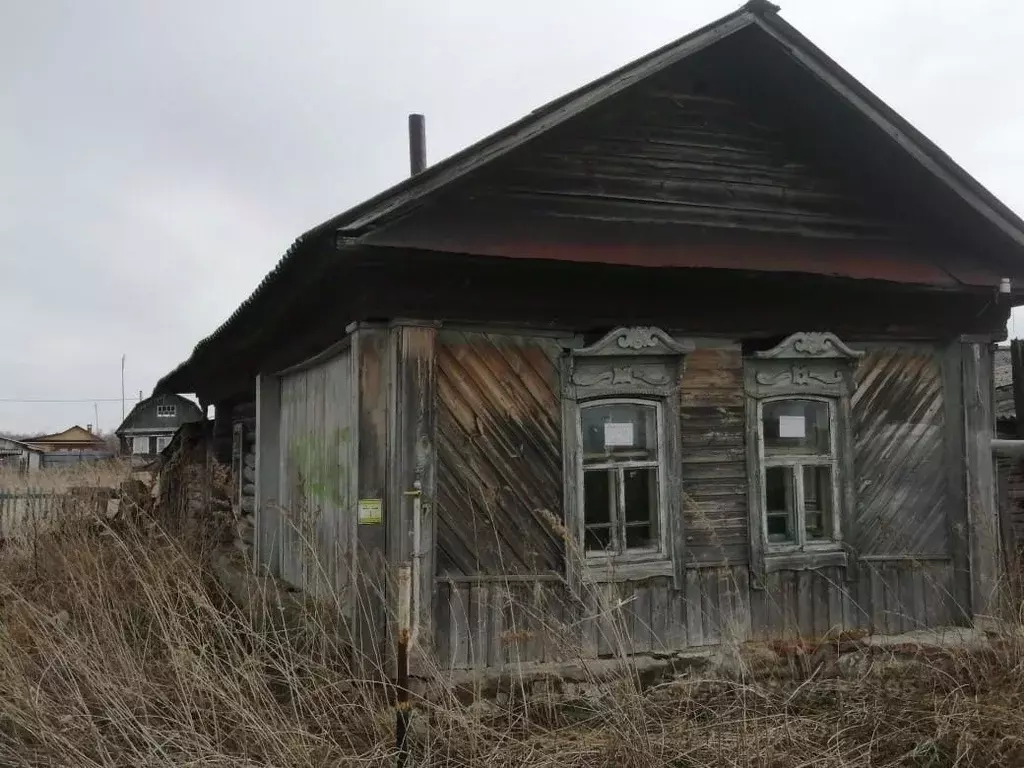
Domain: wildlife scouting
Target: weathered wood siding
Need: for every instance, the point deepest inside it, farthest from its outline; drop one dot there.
(899, 449)
(498, 423)
(317, 486)
(489, 623)
(499, 461)
(714, 471)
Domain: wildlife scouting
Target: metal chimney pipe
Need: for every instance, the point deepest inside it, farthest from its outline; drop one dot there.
(417, 144)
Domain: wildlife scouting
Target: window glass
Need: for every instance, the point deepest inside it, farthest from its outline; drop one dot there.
(796, 427)
(598, 503)
(619, 432)
(640, 490)
(140, 445)
(818, 502)
(621, 475)
(779, 504)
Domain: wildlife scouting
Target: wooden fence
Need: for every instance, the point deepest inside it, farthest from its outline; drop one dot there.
(25, 510)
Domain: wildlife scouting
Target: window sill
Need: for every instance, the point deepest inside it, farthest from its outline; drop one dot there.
(626, 569)
(805, 560)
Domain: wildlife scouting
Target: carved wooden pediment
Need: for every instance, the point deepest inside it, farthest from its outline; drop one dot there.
(635, 340)
(810, 346)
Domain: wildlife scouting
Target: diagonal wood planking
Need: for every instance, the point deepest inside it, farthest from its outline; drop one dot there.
(898, 454)
(499, 454)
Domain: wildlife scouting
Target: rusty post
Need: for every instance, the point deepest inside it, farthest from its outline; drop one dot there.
(402, 707)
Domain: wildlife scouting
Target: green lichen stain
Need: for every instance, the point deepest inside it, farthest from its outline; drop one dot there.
(318, 464)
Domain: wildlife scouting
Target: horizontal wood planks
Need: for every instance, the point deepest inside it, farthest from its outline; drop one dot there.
(492, 623)
(713, 456)
(675, 151)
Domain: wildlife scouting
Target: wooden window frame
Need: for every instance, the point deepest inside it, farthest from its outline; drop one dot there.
(796, 463)
(813, 366)
(623, 553)
(629, 364)
(148, 445)
(166, 411)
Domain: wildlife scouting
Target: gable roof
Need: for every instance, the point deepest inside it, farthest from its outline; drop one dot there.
(361, 225)
(758, 14)
(21, 444)
(189, 411)
(74, 435)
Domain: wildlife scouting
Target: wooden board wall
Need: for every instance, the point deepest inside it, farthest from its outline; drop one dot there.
(499, 454)
(490, 623)
(899, 450)
(498, 433)
(714, 468)
(317, 461)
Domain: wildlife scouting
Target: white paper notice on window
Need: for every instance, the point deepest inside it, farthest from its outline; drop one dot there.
(618, 435)
(792, 426)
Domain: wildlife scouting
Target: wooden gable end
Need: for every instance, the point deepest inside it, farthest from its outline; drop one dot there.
(675, 152)
(709, 163)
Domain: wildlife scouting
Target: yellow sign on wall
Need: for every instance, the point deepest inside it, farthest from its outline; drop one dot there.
(371, 512)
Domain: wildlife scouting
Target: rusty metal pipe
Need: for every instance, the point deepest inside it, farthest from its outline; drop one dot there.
(403, 710)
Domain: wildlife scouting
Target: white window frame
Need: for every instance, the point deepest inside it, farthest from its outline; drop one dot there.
(796, 462)
(622, 552)
(166, 411)
(162, 442)
(140, 440)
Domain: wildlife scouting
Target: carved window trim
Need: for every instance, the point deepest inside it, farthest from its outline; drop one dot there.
(804, 366)
(641, 364)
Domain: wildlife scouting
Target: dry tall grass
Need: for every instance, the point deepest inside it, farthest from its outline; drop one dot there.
(58, 479)
(117, 648)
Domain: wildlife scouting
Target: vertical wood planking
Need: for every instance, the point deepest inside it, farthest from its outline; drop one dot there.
(982, 518)
(371, 364)
(694, 609)
(956, 488)
(411, 457)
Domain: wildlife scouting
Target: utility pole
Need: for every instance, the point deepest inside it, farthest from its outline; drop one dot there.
(122, 388)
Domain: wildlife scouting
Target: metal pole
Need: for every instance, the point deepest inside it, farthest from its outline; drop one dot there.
(402, 709)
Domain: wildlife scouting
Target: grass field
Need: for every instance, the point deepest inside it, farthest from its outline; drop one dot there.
(117, 648)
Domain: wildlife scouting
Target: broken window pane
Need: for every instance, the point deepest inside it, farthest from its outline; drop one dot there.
(796, 427)
(598, 538)
(598, 496)
(640, 537)
(818, 502)
(779, 504)
(619, 432)
(640, 487)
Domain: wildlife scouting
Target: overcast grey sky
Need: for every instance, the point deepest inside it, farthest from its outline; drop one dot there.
(157, 158)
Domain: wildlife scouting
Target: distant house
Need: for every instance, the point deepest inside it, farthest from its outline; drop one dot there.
(149, 427)
(74, 438)
(15, 454)
(72, 446)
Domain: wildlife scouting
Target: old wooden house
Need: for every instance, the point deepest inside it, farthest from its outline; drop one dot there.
(708, 341)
